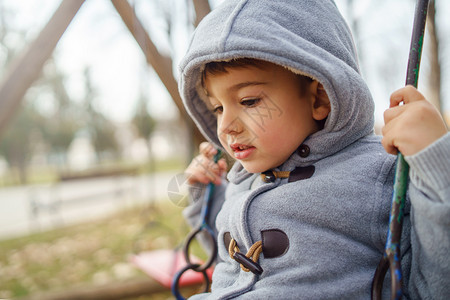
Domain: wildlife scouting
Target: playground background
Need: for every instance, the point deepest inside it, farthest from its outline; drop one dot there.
(89, 159)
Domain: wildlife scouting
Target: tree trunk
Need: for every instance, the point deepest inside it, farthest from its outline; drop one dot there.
(161, 64)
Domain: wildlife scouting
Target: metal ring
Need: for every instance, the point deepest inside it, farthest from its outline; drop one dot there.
(176, 280)
(213, 243)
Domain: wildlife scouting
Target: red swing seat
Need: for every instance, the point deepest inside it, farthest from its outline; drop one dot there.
(162, 265)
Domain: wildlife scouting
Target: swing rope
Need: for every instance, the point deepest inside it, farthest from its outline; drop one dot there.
(202, 227)
(392, 254)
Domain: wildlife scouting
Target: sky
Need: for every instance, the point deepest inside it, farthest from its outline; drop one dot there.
(97, 38)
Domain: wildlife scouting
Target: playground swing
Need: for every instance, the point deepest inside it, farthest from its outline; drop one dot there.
(392, 256)
(176, 268)
(162, 265)
(202, 227)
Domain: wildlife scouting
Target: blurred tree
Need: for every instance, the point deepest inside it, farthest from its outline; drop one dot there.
(55, 127)
(142, 120)
(394, 65)
(100, 128)
(62, 124)
(27, 67)
(145, 125)
(103, 136)
(31, 126)
(16, 144)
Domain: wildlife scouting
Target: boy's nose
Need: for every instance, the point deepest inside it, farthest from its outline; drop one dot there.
(230, 125)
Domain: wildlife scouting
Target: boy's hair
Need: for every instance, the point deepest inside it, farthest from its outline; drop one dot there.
(221, 67)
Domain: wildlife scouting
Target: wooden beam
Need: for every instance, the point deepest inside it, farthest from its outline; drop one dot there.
(27, 67)
(202, 8)
(160, 63)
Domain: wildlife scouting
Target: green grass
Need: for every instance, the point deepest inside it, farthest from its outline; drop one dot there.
(90, 253)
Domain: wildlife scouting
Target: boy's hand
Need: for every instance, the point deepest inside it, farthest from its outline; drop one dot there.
(411, 127)
(202, 169)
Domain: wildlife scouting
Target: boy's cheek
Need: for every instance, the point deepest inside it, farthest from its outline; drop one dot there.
(223, 142)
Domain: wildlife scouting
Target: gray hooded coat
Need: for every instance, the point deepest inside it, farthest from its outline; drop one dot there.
(322, 233)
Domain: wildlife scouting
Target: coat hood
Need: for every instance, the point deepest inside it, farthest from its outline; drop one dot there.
(309, 37)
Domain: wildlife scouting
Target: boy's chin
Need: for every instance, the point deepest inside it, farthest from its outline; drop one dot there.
(254, 168)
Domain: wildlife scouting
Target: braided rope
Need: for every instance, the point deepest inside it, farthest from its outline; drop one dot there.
(253, 253)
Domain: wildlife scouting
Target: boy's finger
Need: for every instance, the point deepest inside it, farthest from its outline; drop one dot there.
(388, 144)
(207, 149)
(204, 147)
(202, 161)
(202, 176)
(202, 179)
(208, 166)
(222, 163)
(210, 175)
(392, 113)
(406, 95)
(193, 178)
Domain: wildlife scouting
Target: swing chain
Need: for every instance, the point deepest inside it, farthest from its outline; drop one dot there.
(208, 232)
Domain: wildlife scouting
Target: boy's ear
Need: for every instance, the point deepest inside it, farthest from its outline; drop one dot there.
(320, 102)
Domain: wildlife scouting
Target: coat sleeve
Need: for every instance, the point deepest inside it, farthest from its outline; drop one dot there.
(429, 191)
(192, 213)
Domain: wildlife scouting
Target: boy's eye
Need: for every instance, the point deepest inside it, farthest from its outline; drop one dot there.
(218, 109)
(250, 102)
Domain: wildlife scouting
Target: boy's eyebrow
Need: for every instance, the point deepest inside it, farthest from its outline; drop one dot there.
(239, 86)
(244, 84)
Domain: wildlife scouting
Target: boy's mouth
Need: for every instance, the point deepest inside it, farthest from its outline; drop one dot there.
(242, 151)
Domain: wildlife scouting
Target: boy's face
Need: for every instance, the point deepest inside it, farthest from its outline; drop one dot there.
(263, 114)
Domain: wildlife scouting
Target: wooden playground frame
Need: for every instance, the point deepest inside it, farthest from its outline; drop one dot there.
(27, 67)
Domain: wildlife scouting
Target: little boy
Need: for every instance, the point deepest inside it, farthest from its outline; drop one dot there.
(276, 84)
